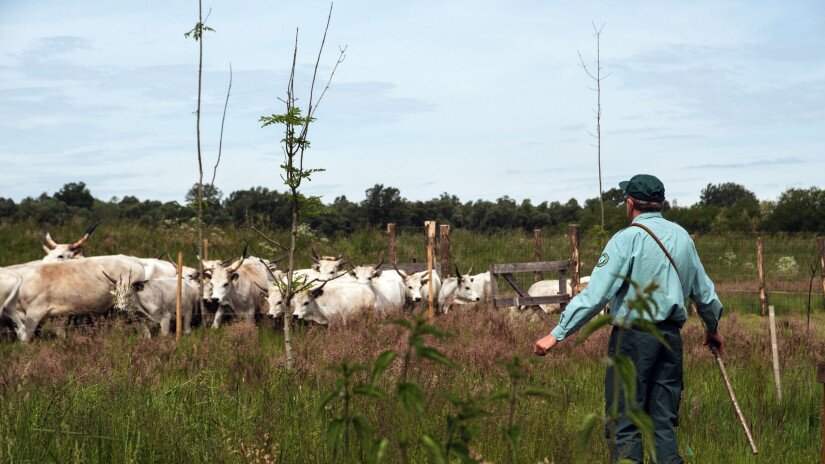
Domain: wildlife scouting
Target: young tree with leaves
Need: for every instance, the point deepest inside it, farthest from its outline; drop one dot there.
(296, 125)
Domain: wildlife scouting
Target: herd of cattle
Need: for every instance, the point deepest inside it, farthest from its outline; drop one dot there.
(65, 283)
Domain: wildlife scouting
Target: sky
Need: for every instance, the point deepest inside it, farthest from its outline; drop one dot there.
(480, 99)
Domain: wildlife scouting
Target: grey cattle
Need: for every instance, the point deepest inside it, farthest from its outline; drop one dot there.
(76, 286)
(156, 300)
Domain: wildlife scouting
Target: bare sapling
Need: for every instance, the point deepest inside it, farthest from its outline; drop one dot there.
(596, 76)
(296, 123)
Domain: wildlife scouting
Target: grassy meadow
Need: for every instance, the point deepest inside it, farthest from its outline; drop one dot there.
(106, 395)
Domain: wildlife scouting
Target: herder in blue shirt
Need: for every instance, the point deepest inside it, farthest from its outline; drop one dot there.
(638, 254)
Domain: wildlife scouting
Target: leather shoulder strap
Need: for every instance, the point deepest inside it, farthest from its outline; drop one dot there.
(658, 242)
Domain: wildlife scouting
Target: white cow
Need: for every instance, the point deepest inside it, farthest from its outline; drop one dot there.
(332, 300)
(156, 299)
(389, 288)
(237, 288)
(323, 267)
(416, 285)
(76, 286)
(550, 288)
(455, 289)
(483, 287)
(9, 289)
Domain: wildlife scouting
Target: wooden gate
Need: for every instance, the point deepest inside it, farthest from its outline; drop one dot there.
(506, 271)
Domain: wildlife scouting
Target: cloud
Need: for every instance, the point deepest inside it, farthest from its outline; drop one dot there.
(784, 161)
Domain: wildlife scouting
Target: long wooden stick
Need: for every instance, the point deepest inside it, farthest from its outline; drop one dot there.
(732, 395)
(178, 321)
(820, 377)
(774, 352)
(430, 226)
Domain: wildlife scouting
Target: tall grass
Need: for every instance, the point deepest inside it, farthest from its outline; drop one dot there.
(105, 395)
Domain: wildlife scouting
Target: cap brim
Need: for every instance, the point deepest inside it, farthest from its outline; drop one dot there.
(623, 185)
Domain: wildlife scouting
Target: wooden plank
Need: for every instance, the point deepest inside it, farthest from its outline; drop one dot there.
(444, 245)
(573, 235)
(820, 241)
(530, 301)
(537, 253)
(529, 267)
(563, 286)
(820, 373)
(178, 319)
(774, 352)
(763, 294)
(430, 226)
(392, 253)
(494, 287)
(514, 283)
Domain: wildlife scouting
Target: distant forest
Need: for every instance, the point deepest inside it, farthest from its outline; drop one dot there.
(727, 207)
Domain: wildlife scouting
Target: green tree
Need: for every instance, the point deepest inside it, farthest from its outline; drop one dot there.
(75, 194)
(798, 210)
(726, 194)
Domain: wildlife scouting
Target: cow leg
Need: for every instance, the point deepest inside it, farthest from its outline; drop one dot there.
(31, 323)
(147, 330)
(19, 324)
(187, 321)
(165, 320)
(250, 317)
(218, 315)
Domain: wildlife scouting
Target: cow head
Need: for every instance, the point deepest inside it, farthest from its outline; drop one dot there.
(223, 282)
(63, 251)
(328, 267)
(124, 292)
(464, 290)
(366, 274)
(305, 305)
(413, 284)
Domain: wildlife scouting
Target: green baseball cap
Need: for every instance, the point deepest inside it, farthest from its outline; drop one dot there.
(644, 187)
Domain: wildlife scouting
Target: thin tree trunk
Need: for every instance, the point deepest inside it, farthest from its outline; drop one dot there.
(200, 159)
(291, 282)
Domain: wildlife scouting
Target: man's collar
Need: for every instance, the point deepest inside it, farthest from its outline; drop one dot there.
(651, 214)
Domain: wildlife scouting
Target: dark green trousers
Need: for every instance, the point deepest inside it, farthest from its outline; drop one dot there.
(658, 392)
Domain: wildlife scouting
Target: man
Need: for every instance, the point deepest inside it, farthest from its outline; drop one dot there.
(634, 254)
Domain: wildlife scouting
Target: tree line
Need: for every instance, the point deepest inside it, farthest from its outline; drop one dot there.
(726, 207)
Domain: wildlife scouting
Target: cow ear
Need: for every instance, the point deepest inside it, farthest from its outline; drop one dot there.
(137, 286)
(377, 273)
(234, 277)
(317, 292)
(424, 280)
(352, 273)
(316, 267)
(206, 275)
(472, 278)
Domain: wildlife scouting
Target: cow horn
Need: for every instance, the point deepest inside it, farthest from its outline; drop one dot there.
(314, 255)
(109, 277)
(402, 274)
(470, 271)
(245, 252)
(51, 243)
(195, 249)
(262, 289)
(237, 264)
(169, 257)
(378, 266)
(80, 243)
(338, 258)
(457, 272)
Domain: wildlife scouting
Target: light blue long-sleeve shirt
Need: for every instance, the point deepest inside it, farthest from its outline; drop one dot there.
(633, 254)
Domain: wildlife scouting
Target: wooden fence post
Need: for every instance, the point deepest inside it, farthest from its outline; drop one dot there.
(430, 228)
(392, 253)
(774, 352)
(763, 294)
(178, 321)
(821, 242)
(205, 248)
(537, 253)
(445, 251)
(573, 235)
(820, 377)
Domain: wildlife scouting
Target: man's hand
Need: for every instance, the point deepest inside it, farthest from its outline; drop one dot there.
(544, 345)
(715, 340)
